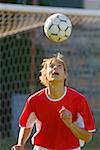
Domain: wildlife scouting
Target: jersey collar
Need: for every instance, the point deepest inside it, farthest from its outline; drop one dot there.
(58, 99)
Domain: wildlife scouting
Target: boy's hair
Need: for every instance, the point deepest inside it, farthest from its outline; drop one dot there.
(58, 56)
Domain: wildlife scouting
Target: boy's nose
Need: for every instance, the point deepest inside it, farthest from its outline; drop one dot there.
(55, 67)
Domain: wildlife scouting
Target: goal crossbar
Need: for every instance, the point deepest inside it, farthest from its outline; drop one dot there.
(48, 10)
(16, 18)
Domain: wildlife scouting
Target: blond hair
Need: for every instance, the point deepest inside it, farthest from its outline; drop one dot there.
(59, 57)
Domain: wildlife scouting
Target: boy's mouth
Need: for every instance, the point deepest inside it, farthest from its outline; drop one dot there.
(55, 73)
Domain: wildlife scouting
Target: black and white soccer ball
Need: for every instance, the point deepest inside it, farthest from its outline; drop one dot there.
(58, 27)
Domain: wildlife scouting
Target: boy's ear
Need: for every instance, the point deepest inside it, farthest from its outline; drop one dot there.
(46, 79)
(65, 76)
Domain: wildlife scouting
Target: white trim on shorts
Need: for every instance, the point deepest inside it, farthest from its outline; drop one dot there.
(42, 148)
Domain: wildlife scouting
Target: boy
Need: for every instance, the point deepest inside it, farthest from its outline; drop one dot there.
(62, 115)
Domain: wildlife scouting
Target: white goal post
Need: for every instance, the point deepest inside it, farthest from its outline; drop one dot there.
(16, 18)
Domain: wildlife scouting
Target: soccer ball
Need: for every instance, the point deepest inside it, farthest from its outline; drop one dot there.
(58, 27)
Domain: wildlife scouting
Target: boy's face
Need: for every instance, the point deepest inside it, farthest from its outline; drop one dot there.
(55, 70)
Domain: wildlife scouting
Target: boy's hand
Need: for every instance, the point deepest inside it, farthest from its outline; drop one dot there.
(66, 116)
(17, 147)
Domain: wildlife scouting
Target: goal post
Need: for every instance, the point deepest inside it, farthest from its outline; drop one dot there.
(16, 18)
(22, 47)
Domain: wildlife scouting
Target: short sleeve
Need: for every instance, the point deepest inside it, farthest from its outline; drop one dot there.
(27, 117)
(86, 115)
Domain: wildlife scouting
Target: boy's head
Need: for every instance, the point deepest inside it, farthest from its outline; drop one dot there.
(54, 68)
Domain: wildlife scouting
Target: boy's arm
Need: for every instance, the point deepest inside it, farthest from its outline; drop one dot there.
(24, 134)
(80, 133)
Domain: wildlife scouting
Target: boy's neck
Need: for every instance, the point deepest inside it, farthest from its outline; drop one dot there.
(55, 91)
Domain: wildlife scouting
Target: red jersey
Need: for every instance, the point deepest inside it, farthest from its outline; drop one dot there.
(52, 133)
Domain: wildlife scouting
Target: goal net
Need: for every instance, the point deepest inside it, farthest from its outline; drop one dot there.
(22, 47)
(18, 18)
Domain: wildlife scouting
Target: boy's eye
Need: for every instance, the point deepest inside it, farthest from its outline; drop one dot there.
(51, 66)
(59, 65)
